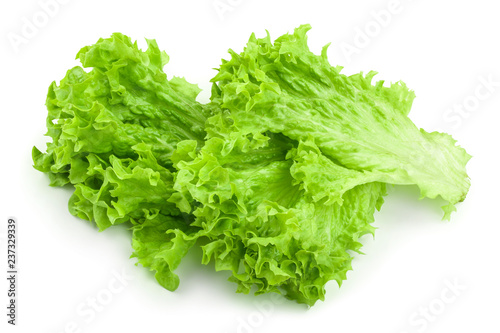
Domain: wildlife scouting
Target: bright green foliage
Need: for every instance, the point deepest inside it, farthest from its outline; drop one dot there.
(276, 179)
(283, 87)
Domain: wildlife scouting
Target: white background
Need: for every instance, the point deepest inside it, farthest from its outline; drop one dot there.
(443, 50)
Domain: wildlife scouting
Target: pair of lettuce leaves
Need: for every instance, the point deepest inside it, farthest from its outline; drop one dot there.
(276, 178)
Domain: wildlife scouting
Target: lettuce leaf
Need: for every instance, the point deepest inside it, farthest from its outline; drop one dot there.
(114, 129)
(124, 100)
(276, 179)
(283, 87)
(159, 243)
(259, 220)
(123, 190)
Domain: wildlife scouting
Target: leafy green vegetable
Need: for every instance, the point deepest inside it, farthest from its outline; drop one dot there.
(126, 99)
(160, 242)
(260, 221)
(276, 179)
(285, 88)
(114, 129)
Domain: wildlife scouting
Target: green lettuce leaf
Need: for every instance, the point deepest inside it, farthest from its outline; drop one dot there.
(114, 128)
(123, 189)
(258, 219)
(159, 243)
(124, 100)
(277, 179)
(283, 87)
